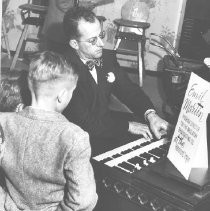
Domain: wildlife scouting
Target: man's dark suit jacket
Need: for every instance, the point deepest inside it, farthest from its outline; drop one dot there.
(88, 107)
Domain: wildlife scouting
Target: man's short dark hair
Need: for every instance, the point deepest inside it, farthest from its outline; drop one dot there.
(72, 18)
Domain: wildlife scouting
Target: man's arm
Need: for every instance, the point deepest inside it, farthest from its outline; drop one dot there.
(129, 92)
(80, 190)
(138, 102)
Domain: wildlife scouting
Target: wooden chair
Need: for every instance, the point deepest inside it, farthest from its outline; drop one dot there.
(31, 14)
(5, 38)
(4, 34)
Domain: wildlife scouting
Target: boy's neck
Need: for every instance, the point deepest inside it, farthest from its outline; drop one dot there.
(43, 105)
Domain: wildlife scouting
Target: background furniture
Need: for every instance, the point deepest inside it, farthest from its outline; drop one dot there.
(138, 39)
(4, 34)
(5, 38)
(31, 14)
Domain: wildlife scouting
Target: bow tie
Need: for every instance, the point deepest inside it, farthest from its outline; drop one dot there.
(91, 63)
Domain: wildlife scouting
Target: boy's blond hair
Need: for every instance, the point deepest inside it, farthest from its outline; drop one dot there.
(46, 70)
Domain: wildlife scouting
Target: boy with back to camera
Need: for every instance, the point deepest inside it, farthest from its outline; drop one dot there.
(46, 158)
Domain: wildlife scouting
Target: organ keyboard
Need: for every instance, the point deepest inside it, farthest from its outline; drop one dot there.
(126, 180)
(135, 155)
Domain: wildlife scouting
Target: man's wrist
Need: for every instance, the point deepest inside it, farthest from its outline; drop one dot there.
(148, 114)
(129, 126)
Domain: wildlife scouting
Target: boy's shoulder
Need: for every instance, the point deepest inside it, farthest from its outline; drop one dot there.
(75, 130)
(7, 115)
(74, 136)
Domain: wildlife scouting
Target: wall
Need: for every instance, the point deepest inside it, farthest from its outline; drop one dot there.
(165, 19)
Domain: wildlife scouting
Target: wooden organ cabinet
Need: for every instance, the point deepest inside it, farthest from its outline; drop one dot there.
(133, 178)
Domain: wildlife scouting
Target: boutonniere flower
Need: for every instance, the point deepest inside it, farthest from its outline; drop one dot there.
(110, 77)
(207, 62)
(19, 107)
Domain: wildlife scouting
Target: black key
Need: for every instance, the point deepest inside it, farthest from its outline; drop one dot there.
(118, 168)
(116, 155)
(145, 143)
(127, 166)
(157, 152)
(145, 155)
(144, 163)
(136, 147)
(136, 160)
(159, 155)
(165, 146)
(106, 160)
(126, 151)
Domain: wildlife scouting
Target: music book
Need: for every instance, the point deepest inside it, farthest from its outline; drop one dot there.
(188, 149)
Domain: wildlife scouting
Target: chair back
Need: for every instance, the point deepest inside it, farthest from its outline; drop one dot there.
(40, 2)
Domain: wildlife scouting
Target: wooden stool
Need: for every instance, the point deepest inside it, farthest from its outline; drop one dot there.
(26, 11)
(139, 38)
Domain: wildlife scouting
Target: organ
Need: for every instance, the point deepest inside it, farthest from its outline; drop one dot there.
(135, 155)
(133, 177)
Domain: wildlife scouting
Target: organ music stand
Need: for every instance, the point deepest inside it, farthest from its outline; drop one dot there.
(199, 177)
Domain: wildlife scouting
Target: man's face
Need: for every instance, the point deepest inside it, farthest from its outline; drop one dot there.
(90, 44)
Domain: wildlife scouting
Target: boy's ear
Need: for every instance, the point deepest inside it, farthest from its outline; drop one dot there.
(62, 96)
(74, 44)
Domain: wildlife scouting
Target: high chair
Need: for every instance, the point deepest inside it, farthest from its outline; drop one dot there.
(139, 40)
(31, 14)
